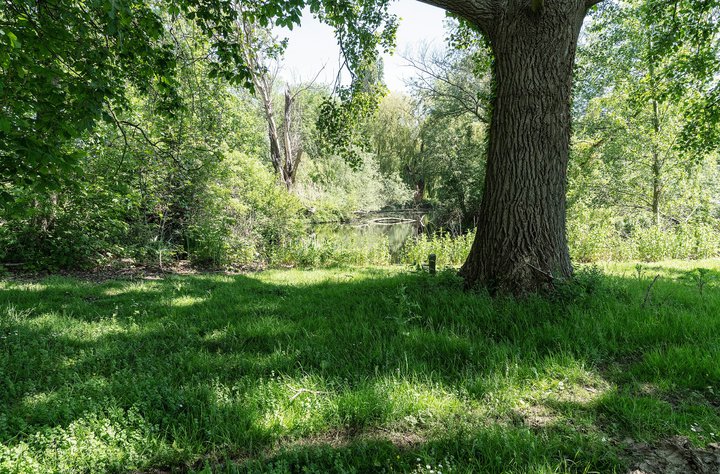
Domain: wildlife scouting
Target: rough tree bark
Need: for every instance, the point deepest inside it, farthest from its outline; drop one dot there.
(521, 241)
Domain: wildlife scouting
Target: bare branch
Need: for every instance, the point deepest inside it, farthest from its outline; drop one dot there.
(124, 136)
(648, 294)
(310, 84)
(157, 145)
(450, 80)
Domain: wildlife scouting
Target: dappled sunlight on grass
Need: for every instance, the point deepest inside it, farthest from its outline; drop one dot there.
(295, 407)
(182, 301)
(416, 405)
(101, 442)
(374, 366)
(26, 286)
(670, 269)
(132, 287)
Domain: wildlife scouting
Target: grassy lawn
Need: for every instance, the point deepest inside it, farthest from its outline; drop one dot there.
(355, 370)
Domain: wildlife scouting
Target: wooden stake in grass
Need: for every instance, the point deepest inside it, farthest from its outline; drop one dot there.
(432, 261)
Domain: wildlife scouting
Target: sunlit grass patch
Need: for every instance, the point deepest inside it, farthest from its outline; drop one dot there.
(22, 286)
(125, 288)
(186, 300)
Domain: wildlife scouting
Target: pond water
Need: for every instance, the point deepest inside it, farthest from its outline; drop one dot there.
(396, 228)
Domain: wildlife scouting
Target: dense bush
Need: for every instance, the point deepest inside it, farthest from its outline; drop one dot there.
(593, 236)
(244, 215)
(71, 227)
(333, 189)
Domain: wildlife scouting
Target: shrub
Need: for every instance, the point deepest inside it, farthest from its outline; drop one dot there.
(68, 228)
(597, 235)
(653, 244)
(244, 217)
(593, 236)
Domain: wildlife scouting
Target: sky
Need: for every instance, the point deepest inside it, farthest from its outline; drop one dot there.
(313, 45)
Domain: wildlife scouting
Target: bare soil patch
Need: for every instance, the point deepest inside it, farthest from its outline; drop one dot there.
(674, 456)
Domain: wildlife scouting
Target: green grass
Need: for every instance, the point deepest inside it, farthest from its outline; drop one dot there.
(354, 370)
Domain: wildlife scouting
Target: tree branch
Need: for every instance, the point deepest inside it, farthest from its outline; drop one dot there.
(591, 3)
(480, 13)
(436, 73)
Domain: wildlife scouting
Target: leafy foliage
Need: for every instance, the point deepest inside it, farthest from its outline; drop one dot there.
(66, 64)
(129, 135)
(638, 188)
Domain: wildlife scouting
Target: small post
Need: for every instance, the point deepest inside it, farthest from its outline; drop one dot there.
(432, 259)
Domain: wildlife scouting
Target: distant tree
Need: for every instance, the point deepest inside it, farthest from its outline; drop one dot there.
(456, 81)
(261, 51)
(636, 119)
(452, 87)
(452, 156)
(393, 133)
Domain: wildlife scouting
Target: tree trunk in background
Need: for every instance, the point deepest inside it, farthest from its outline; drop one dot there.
(656, 166)
(419, 195)
(263, 90)
(285, 143)
(292, 143)
(521, 243)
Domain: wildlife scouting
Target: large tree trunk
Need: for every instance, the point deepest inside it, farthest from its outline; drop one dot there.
(521, 242)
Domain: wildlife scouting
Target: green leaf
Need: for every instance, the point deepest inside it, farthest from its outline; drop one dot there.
(14, 41)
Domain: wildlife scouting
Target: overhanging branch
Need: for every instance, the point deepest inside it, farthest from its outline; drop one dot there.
(480, 13)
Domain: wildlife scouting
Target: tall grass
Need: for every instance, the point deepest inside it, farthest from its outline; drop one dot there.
(449, 250)
(592, 242)
(331, 250)
(588, 243)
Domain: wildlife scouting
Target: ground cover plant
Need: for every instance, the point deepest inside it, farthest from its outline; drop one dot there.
(361, 370)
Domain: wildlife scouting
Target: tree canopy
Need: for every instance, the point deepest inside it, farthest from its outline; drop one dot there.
(66, 65)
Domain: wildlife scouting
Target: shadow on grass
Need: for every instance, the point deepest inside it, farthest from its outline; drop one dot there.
(349, 369)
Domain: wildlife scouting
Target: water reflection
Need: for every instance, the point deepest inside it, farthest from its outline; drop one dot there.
(395, 229)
